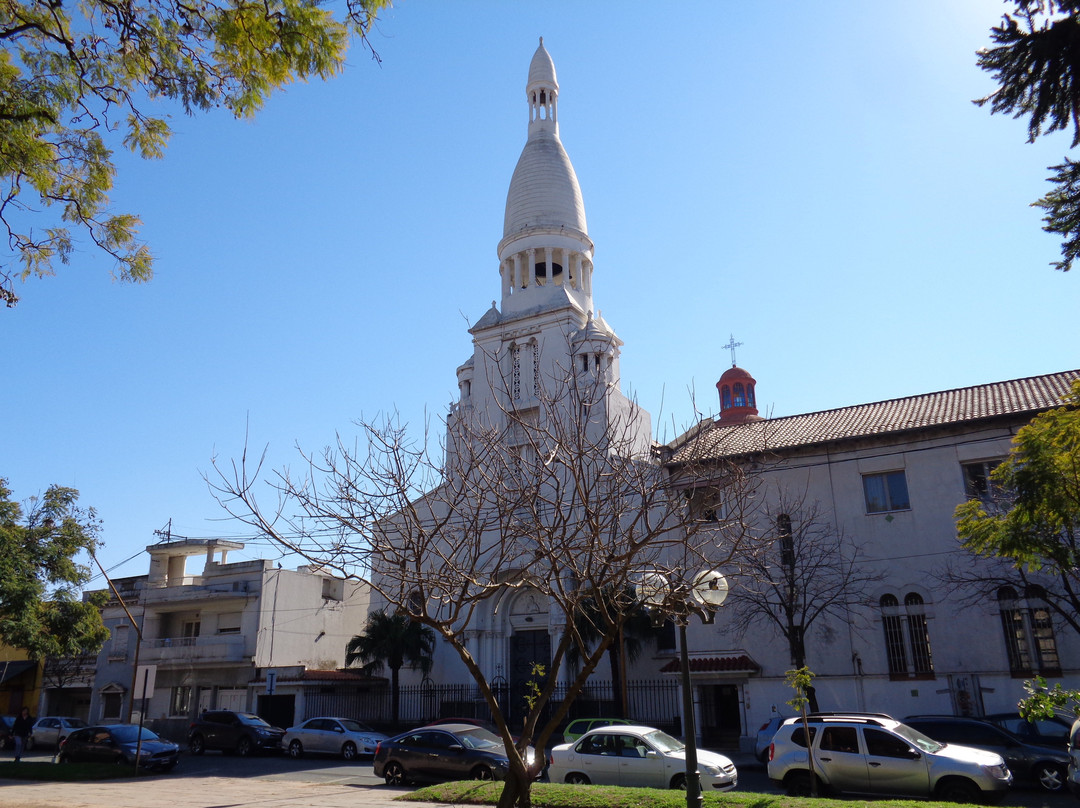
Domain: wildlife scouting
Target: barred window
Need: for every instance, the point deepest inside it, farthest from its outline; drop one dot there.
(907, 637)
(1029, 632)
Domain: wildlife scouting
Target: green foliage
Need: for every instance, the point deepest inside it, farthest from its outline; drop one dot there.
(71, 75)
(1046, 702)
(1041, 526)
(532, 687)
(40, 608)
(801, 681)
(1036, 63)
(391, 640)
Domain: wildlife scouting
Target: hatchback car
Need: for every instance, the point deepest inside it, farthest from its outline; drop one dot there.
(1045, 766)
(231, 731)
(119, 743)
(630, 755)
(446, 752)
(331, 736)
(877, 755)
(49, 731)
(1046, 731)
(765, 735)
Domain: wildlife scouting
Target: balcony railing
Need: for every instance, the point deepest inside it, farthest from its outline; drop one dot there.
(215, 648)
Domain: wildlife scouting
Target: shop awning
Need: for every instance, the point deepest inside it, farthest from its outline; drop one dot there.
(9, 670)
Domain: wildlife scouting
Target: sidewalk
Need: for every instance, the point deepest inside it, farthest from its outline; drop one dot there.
(198, 792)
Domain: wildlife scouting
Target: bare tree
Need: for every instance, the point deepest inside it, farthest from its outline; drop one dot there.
(553, 493)
(803, 570)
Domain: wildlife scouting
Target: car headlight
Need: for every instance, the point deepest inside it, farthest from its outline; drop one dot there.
(712, 771)
(1000, 772)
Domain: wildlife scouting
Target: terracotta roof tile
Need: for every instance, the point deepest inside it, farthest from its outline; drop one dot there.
(728, 663)
(1017, 397)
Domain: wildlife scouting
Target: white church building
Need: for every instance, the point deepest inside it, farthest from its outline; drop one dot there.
(888, 474)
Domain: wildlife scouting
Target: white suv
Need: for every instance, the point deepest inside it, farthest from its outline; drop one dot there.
(874, 754)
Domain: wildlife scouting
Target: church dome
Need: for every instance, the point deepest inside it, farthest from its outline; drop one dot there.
(738, 399)
(544, 191)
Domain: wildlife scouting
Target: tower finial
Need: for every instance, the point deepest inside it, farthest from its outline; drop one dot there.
(541, 40)
(732, 345)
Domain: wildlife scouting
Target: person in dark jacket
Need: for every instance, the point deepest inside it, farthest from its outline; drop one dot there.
(20, 730)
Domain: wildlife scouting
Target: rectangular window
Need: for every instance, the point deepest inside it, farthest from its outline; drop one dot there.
(229, 623)
(894, 645)
(111, 705)
(886, 492)
(180, 703)
(118, 647)
(977, 482)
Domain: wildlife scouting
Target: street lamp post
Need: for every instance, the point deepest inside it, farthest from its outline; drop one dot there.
(679, 599)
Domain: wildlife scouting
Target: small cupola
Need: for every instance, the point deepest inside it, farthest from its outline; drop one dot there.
(738, 401)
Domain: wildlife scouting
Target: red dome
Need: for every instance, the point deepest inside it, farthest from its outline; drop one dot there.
(738, 400)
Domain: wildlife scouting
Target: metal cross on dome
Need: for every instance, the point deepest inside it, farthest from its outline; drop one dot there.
(732, 345)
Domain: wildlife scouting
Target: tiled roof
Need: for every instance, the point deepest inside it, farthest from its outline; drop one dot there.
(729, 663)
(1017, 397)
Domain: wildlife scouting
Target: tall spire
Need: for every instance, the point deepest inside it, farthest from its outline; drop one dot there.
(545, 254)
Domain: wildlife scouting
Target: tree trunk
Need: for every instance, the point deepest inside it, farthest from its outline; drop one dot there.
(616, 679)
(517, 789)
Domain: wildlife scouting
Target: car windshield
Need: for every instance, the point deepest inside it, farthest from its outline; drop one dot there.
(76, 722)
(664, 742)
(355, 726)
(915, 737)
(479, 738)
(251, 720)
(130, 734)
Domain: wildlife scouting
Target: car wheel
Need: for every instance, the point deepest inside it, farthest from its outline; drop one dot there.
(577, 779)
(196, 745)
(1050, 776)
(394, 774)
(482, 773)
(296, 749)
(243, 746)
(799, 784)
(958, 790)
(348, 751)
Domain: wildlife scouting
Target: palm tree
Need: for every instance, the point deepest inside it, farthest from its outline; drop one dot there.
(391, 640)
(635, 630)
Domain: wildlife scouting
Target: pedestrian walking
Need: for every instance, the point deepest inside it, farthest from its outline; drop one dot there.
(20, 730)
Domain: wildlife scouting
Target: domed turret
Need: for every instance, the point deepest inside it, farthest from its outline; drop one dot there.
(545, 254)
(738, 403)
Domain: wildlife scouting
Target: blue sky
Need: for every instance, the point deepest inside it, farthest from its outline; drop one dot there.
(813, 180)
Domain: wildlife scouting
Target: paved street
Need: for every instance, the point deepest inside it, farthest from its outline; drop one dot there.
(214, 780)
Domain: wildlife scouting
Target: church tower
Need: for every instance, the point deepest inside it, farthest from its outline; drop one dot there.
(544, 330)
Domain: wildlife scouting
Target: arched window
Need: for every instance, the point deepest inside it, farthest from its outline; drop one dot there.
(907, 637)
(1029, 632)
(750, 400)
(740, 395)
(725, 398)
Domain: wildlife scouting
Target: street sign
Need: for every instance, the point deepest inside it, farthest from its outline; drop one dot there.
(144, 681)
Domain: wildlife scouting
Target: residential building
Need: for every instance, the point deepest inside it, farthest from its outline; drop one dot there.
(214, 632)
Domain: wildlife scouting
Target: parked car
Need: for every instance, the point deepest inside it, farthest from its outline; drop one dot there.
(49, 731)
(1043, 765)
(331, 736)
(232, 731)
(1046, 731)
(579, 726)
(877, 755)
(765, 735)
(631, 755)
(1074, 758)
(7, 740)
(119, 743)
(447, 752)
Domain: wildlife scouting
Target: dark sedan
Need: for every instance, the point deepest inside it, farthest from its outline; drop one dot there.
(445, 752)
(119, 743)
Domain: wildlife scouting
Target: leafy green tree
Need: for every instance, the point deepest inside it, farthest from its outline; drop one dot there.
(1034, 528)
(73, 74)
(1036, 63)
(40, 608)
(394, 641)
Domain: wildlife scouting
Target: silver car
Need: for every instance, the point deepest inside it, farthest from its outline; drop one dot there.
(1074, 758)
(879, 755)
(331, 736)
(49, 731)
(636, 756)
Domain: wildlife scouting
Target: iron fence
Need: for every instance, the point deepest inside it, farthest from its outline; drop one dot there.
(653, 702)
